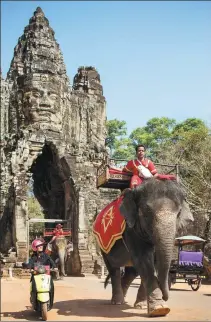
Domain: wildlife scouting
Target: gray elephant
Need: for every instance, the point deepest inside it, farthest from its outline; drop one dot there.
(153, 212)
(60, 253)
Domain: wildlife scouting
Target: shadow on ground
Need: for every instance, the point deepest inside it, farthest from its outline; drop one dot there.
(27, 314)
(136, 285)
(180, 290)
(95, 308)
(206, 282)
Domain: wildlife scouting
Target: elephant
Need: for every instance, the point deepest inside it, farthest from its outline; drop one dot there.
(59, 253)
(153, 212)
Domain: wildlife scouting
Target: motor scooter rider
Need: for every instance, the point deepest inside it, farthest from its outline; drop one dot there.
(40, 257)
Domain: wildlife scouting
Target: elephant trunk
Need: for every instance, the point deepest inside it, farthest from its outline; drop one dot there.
(61, 254)
(164, 234)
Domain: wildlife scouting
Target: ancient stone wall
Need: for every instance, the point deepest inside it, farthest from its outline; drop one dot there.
(4, 109)
(51, 132)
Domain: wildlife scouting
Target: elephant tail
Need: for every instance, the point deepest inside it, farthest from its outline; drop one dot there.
(106, 280)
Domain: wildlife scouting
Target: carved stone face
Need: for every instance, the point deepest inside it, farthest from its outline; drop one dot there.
(41, 103)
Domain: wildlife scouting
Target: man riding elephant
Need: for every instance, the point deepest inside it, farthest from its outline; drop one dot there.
(59, 247)
(58, 231)
(141, 168)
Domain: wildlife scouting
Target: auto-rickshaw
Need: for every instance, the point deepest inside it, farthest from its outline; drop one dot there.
(189, 265)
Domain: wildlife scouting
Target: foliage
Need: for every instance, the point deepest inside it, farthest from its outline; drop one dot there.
(120, 146)
(156, 131)
(34, 211)
(124, 149)
(186, 143)
(189, 125)
(115, 130)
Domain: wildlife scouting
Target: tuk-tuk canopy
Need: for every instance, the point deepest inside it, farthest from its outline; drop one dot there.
(188, 240)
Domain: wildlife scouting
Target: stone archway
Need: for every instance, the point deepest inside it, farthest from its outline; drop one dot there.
(49, 183)
(54, 189)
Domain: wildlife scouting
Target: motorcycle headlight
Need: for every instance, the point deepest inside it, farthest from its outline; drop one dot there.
(41, 269)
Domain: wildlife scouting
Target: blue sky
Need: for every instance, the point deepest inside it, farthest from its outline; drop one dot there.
(154, 58)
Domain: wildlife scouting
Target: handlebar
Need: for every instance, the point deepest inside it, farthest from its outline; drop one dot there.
(51, 270)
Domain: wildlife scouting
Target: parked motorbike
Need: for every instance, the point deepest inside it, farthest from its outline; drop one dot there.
(40, 292)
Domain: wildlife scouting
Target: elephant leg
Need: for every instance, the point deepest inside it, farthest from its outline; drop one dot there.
(117, 293)
(144, 265)
(129, 275)
(155, 303)
(62, 270)
(57, 275)
(61, 265)
(141, 299)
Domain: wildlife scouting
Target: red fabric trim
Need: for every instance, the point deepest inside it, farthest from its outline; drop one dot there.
(166, 177)
(116, 171)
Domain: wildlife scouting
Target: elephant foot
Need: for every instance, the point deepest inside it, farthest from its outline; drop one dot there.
(158, 310)
(117, 300)
(140, 305)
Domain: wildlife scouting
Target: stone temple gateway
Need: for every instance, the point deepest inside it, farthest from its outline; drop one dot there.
(51, 132)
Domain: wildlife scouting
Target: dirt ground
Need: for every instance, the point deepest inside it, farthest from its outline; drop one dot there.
(85, 299)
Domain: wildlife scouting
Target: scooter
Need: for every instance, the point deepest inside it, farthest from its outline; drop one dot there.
(40, 292)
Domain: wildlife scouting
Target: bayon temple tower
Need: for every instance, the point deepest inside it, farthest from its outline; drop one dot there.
(52, 134)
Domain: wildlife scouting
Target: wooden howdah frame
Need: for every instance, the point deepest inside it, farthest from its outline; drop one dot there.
(109, 177)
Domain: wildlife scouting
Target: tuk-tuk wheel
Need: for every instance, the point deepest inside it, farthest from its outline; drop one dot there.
(195, 285)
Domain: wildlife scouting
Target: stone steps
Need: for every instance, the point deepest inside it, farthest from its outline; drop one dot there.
(86, 261)
(92, 264)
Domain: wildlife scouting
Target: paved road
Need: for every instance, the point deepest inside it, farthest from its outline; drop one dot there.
(84, 298)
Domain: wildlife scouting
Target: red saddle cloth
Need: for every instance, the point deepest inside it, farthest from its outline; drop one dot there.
(109, 225)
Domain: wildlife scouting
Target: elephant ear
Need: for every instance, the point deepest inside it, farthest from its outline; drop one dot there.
(185, 216)
(128, 208)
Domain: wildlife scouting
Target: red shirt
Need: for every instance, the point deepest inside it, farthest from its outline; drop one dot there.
(132, 166)
(57, 232)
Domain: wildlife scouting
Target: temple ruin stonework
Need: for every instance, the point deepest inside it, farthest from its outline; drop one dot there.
(53, 133)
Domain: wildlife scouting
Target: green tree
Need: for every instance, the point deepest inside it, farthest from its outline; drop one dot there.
(124, 149)
(190, 124)
(154, 135)
(116, 132)
(34, 211)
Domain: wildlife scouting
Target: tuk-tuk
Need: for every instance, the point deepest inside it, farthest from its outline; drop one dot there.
(189, 265)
